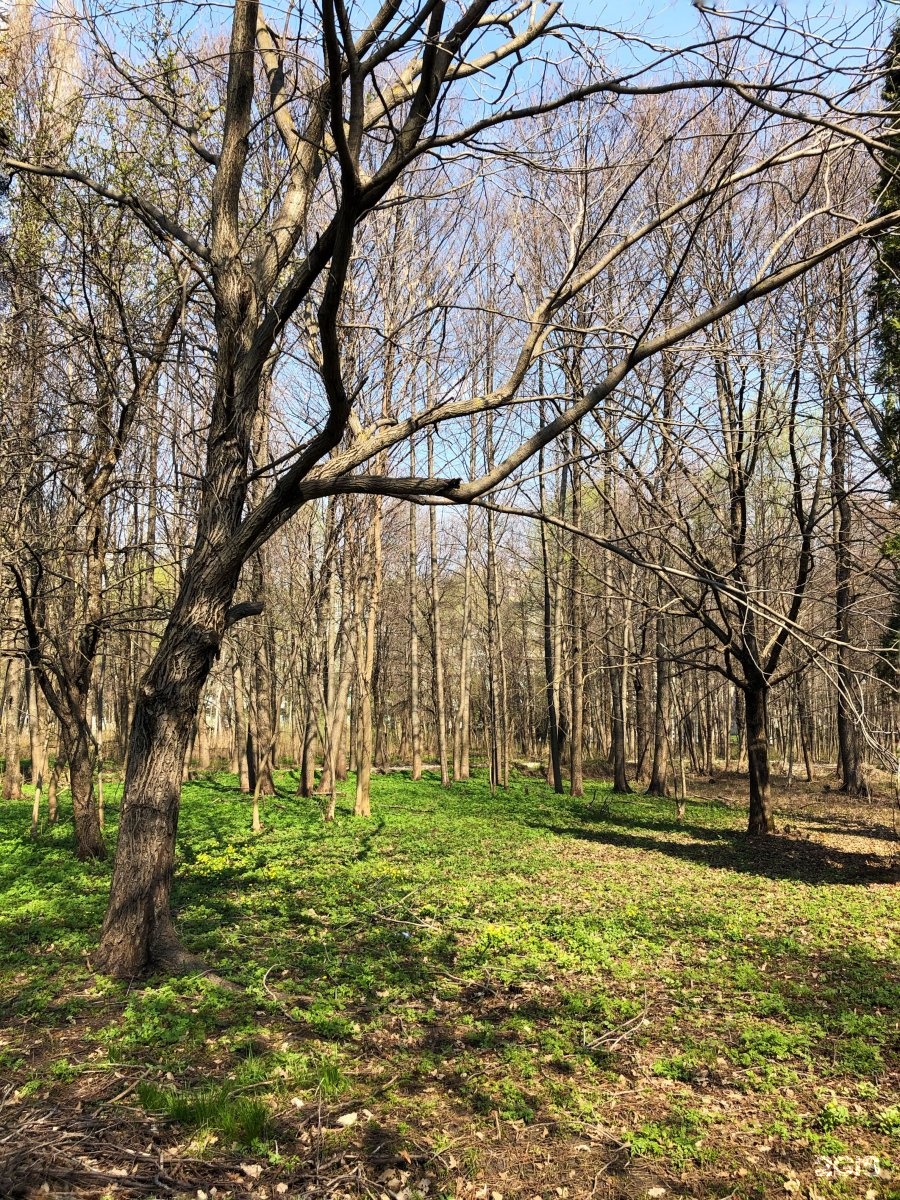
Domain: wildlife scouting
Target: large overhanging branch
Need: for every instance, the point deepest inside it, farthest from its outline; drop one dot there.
(329, 476)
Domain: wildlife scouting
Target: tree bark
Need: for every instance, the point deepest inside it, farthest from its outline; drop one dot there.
(576, 734)
(436, 639)
(240, 723)
(415, 716)
(81, 758)
(661, 715)
(549, 664)
(138, 929)
(461, 729)
(36, 731)
(12, 773)
(760, 819)
(620, 776)
(853, 778)
(368, 627)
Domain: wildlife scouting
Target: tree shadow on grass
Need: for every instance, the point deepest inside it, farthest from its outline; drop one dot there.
(777, 856)
(850, 827)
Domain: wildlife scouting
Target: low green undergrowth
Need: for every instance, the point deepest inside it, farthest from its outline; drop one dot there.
(462, 962)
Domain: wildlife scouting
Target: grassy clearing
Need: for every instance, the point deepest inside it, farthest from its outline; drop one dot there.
(525, 993)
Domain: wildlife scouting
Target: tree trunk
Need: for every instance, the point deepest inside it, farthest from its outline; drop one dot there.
(337, 719)
(660, 769)
(549, 665)
(85, 814)
(240, 723)
(415, 716)
(853, 778)
(755, 710)
(307, 784)
(620, 777)
(436, 640)
(35, 731)
(201, 740)
(368, 625)
(461, 730)
(138, 931)
(53, 792)
(576, 733)
(12, 774)
(265, 716)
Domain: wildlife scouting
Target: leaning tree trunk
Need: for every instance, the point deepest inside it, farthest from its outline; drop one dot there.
(756, 715)
(138, 929)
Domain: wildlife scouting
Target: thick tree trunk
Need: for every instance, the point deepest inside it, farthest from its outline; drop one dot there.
(12, 774)
(85, 813)
(760, 820)
(138, 931)
(36, 732)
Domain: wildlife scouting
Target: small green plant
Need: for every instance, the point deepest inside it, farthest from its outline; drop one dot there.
(678, 1138)
(763, 1044)
(832, 1116)
(64, 1071)
(683, 1067)
(238, 1120)
(514, 1104)
(888, 1121)
(331, 1081)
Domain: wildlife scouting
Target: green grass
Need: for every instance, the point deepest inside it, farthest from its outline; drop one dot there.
(239, 1121)
(460, 960)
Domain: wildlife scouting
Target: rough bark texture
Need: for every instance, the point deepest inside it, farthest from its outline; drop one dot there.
(138, 930)
(12, 773)
(85, 813)
(755, 707)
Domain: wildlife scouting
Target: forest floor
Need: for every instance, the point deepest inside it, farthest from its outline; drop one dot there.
(511, 997)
